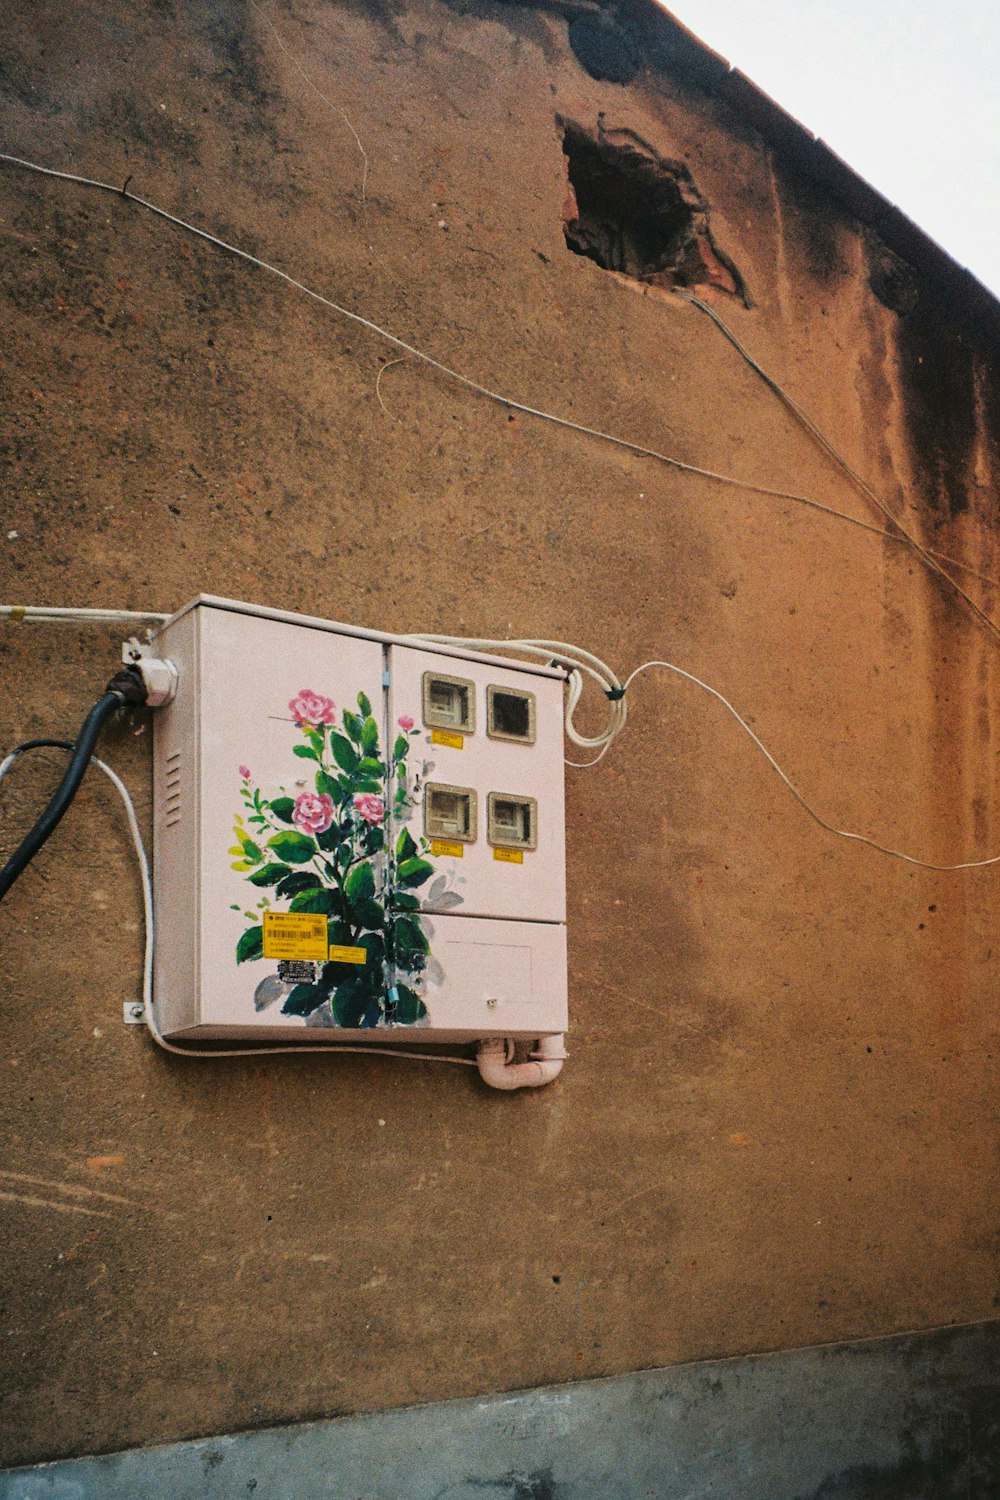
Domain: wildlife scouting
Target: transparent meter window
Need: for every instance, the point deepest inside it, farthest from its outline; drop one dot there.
(510, 715)
(513, 821)
(449, 703)
(450, 812)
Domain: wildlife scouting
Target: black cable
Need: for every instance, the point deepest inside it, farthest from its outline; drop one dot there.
(126, 687)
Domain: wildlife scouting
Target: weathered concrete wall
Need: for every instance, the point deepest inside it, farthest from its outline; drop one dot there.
(777, 1125)
(906, 1418)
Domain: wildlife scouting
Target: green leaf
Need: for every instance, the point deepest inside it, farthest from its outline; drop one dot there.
(294, 848)
(250, 945)
(343, 753)
(369, 735)
(353, 726)
(303, 1000)
(315, 900)
(368, 913)
(369, 767)
(330, 839)
(360, 883)
(403, 901)
(315, 738)
(327, 783)
(252, 851)
(410, 1007)
(413, 871)
(305, 751)
(268, 875)
(400, 748)
(350, 1001)
(297, 881)
(364, 704)
(410, 940)
(405, 847)
(283, 807)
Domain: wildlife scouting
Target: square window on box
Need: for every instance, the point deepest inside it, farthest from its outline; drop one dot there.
(450, 812)
(510, 715)
(449, 703)
(513, 821)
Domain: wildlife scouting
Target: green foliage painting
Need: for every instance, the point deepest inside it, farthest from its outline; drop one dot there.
(324, 852)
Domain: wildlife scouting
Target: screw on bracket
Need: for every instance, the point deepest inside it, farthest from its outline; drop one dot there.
(134, 1013)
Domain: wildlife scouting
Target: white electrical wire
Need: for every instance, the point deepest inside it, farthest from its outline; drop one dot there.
(861, 838)
(584, 662)
(895, 533)
(50, 614)
(581, 664)
(147, 963)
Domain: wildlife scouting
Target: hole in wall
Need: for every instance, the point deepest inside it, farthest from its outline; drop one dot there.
(630, 210)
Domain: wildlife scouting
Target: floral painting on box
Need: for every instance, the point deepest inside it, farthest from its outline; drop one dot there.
(324, 851)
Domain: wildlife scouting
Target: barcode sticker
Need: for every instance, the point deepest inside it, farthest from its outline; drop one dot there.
(448, 846)
(294, 934)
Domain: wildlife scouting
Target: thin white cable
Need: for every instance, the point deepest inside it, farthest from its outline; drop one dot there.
(147, 964)
(582, 663)
(639, 449)
(49, 614)
(861, 838)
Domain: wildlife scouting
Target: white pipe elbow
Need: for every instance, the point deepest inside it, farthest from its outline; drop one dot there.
(496, 1069)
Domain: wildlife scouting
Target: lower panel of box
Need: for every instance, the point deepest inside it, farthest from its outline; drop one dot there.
(473, 977)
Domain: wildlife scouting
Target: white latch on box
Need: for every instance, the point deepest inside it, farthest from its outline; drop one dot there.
(355, 836)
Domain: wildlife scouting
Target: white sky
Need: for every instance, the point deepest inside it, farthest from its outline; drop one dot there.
(906, 91)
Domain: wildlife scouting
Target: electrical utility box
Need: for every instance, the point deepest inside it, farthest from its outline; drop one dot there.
(354, 835)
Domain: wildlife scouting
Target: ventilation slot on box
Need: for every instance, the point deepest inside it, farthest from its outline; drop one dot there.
(449, 703)
(510, 715)
(172, 790)
(450, 813)
(513, 821)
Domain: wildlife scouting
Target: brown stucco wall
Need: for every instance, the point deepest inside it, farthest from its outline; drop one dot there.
(777, 1123)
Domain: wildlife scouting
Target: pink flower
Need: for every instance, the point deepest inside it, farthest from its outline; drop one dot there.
(244, 772)
(313, 812)
(371, 808)
(311, 708)
(405, 722)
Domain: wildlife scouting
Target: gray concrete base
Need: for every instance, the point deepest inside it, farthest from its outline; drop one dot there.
(909, 1418)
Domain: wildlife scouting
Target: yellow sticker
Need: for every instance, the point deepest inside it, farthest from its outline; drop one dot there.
(448, 846)
(509, 856)
(347, 955)
(294, 934)
(446, 737)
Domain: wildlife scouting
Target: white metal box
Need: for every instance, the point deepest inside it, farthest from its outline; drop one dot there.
(354, 835)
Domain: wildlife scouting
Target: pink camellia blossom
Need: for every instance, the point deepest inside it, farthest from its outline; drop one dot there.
(405, 722)
(244, 772)
(312, 708)
(313, 812)
(371, 808)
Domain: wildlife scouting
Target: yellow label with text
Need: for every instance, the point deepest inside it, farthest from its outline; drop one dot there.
(343, 953)
(509, 856)
(447, 737)
(294, 934)
(448, 846)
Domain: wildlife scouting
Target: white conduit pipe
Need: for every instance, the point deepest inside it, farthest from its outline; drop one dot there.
(498, 1070)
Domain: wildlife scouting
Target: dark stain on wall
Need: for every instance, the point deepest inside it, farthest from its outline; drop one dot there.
(937, 374)
(605, 48)
(890, 277)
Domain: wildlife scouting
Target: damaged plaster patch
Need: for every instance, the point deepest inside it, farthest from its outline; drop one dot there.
(630, 210)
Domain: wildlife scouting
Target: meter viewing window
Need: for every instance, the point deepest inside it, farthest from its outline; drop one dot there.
(510, 715)
(449, 703)
(513, 821)
(450, 812)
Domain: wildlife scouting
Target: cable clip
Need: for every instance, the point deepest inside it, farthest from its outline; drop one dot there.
(615, 694)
